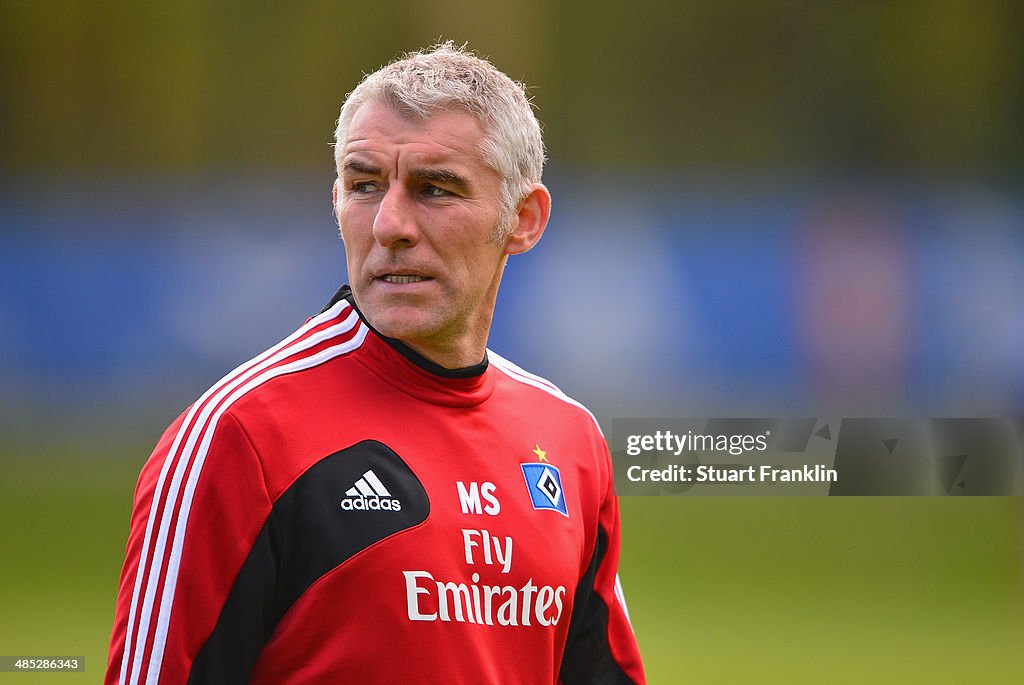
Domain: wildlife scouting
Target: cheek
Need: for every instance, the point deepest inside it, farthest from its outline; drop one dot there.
(350, 225)
(477, 266)
(355, 245)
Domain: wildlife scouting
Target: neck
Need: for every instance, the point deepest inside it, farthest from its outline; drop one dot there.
(467, 347)
(450, 357)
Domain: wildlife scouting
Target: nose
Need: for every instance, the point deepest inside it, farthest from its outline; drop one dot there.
(395, 222)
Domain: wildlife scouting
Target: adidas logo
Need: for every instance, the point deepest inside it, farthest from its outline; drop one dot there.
(369, 494)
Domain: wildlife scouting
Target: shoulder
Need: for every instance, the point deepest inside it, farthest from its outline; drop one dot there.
(272, 381)
(251, 409)
(332, 334)
(565, 434)
(541, 390)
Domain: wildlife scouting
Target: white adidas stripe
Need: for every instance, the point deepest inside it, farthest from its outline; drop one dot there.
(375, 483)
(621, 596)
(245, 370)
(368, 485)
(512, 366)
(310, 325)
(167, 601)
(513, 371)
(207, 405)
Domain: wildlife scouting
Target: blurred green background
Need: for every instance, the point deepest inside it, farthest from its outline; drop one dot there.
(721, 590)
(771, 84)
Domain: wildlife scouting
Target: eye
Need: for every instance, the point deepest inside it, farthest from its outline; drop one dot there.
(363, 187)
(435, 191)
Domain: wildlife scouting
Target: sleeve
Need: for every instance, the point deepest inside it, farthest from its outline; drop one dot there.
(601, 648)
(199, 506)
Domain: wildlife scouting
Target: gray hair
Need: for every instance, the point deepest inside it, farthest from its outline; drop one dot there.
(445, 77)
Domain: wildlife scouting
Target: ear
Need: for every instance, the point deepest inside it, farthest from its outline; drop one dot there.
(533, 214)
(334, 196)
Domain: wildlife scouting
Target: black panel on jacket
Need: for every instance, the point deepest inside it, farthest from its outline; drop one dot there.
(308, 533)
(587, 658)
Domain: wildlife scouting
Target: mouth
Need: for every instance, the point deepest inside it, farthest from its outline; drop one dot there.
(402, 279)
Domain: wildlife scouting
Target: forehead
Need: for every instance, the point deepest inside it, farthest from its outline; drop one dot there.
(451, 136)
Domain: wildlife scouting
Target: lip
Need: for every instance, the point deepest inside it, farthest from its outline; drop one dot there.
(381, 272)
(380, 278)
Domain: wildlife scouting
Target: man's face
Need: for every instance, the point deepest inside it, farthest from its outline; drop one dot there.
(418, 208)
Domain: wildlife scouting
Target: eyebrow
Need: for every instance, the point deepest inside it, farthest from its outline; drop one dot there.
(443, 176)
(429, 174)
(358, 167)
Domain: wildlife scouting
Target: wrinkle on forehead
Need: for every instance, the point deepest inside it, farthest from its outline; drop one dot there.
(448, 129)
(400, 142)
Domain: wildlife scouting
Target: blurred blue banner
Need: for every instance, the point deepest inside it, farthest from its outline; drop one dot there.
(121, 297)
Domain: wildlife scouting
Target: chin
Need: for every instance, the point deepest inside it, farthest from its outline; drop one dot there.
(399, 323)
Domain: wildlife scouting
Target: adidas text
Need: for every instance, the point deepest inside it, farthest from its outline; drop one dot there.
(370, 504)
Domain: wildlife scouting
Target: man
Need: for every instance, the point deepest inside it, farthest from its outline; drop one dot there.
(379, 498)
